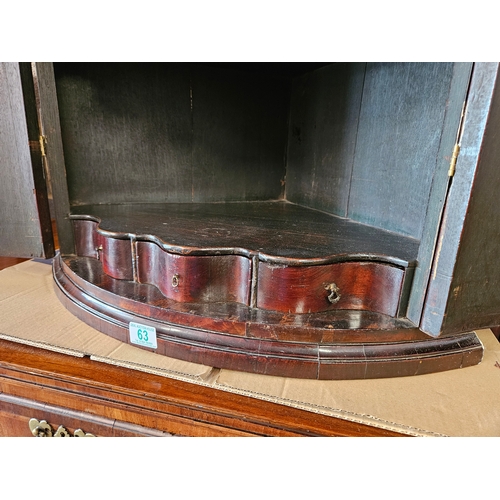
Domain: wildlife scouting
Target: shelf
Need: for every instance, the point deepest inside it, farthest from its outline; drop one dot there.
(277, 232)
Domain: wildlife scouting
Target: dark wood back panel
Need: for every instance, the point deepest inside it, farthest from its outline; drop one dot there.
(325, 108)
(171, 132)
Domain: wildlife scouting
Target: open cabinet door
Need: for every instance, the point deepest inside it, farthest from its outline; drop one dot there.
(464, 287)
(25, 222)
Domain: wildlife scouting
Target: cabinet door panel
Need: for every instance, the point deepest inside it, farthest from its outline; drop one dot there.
(25, 229)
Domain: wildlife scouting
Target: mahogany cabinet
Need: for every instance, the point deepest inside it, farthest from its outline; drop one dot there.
(303, 220)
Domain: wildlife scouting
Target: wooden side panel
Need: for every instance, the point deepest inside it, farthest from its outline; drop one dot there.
(322, 136)
(23, 199)
(400, 129)
(171, 133)
(463, 291)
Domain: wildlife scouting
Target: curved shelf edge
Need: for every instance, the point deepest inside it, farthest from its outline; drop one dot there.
(354, 359)
(244, 251)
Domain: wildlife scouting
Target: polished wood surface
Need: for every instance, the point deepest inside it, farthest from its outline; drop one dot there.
(224, 337)
(280, 275)
(201, 279)
(348, 285)
(108, 400)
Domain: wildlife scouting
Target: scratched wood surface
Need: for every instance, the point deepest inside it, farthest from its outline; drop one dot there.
(274, 230)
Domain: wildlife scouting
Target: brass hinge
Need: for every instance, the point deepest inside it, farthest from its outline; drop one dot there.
(43, 144)
(453, 162)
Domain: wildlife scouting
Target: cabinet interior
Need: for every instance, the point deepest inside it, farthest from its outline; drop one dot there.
(353, 140)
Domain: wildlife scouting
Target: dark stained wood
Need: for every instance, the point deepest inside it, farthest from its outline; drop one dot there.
(37, 159)
(473, 299)
(400, 128)
(171, 132)
(496, 332)
(116, 257)
(104, 393)
(194, 170)
(51, 129)
(20, 187)
(324, 116)
(266, 355)
(437, 198)
(465, 293)
(278, 232)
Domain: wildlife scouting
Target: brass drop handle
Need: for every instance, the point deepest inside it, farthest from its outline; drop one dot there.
(334, 295)
(42, 429)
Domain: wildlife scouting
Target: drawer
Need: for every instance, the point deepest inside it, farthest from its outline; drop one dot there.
(202, 279)
(25, 417)
(367, 286)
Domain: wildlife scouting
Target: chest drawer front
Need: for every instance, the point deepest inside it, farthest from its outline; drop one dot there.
(203, 279)
(367, 286)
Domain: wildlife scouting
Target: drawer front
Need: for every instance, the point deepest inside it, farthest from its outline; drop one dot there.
(20, 417)
(115, 254)
(348, 285)
(202, 279)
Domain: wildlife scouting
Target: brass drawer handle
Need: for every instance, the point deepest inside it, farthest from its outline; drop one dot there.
(42, 429)
(334, 295)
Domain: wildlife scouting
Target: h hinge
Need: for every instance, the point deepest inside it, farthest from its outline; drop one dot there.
(43, 144)
(453, 162)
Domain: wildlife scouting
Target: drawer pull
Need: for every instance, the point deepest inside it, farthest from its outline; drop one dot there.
(175, 280)
(42, 429)
(334, 295)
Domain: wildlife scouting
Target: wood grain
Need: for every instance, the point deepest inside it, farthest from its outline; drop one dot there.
(109, 392)
(21, 235)
(360, 286)
(400, 126)
(171, 132)
(48, 110)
